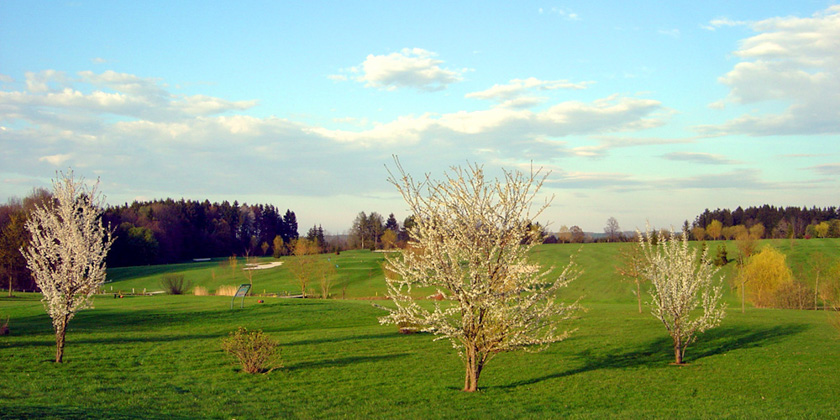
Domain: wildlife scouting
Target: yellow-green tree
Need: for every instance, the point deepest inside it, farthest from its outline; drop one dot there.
(389, 239)
(757, 230)
(714, 229)
(764, 272)
(822, 229)
(279, 246)
(303, 266)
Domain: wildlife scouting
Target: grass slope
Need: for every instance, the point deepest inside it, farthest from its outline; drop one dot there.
(160, 357)
(359, 273)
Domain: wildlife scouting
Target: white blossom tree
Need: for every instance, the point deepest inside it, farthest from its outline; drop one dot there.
(682, 281)
(471, 242)
(67, 252)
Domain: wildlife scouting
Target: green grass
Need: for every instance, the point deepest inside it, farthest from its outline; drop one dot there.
(358, 274)
(160, 357)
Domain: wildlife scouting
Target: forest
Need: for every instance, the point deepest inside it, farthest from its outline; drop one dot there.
(167, 231)
(159, 232)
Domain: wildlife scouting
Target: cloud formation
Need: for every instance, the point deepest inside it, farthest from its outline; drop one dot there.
(704, 158)
(141, 136)
(410, 68)
(518, 93)
(793, 61)
(507, 129)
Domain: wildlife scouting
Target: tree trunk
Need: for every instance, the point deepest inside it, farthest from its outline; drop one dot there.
(59, 342)
(639, 295)
(678, 352)
(816, 291)
(473, 371)
(743, 296)
(10, 285)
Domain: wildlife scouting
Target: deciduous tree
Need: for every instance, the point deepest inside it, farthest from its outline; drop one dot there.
(303, 266)
(67, 251)
(467, 243)
(765, 272)
(714, 229)
(13, 237)
(686, 296)
(631, 262)
(612, 229)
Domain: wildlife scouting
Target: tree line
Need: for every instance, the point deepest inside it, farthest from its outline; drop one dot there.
(778, 222)
(160, 232)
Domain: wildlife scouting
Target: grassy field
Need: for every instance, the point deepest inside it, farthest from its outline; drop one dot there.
(160, 357)
(358, 273)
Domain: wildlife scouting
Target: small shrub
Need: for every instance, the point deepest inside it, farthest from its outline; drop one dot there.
(794, 295)
(174, 284)
(4, 329)
(226, 290)
(200, 291)
(721, 258)
(257, 352)
(830, 293)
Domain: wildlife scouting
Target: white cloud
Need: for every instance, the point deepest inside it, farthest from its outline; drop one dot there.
(109, 93)
(723, 22)
(55, 160)
(704, 158)
(499, 125)
(673, 33)
(410, 68)
(513, 91)
(828, 169)
(563, 13)
(45, 81)
(794, 61)
(145, 140)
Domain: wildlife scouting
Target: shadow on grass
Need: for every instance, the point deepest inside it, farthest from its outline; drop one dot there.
(660, 352)
(49, 340)
(344, 361)
(39, 412)
(338, 339)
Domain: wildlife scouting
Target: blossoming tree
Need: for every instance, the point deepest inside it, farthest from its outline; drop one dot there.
(682, 281)
(67, 251)
(471, 242)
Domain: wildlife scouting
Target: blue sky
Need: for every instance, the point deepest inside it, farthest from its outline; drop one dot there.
(640, 110)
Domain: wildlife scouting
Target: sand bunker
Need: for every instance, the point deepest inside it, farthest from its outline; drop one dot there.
(264, 266)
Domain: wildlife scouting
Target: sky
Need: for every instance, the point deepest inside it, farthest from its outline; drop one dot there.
(645, 111)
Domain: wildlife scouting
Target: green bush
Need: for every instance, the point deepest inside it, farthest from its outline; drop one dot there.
(174, 284)
(257, 352)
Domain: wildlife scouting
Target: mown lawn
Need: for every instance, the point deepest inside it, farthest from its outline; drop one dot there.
(160, 357)
(358, 273)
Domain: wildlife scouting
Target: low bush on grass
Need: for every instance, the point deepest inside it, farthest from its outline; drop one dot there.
(257, 352)
(226, 290)
(174, 284)
(794, 295)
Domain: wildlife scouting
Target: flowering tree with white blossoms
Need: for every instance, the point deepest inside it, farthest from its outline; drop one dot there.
(67, 252)
(471, 242)
(682, 280)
